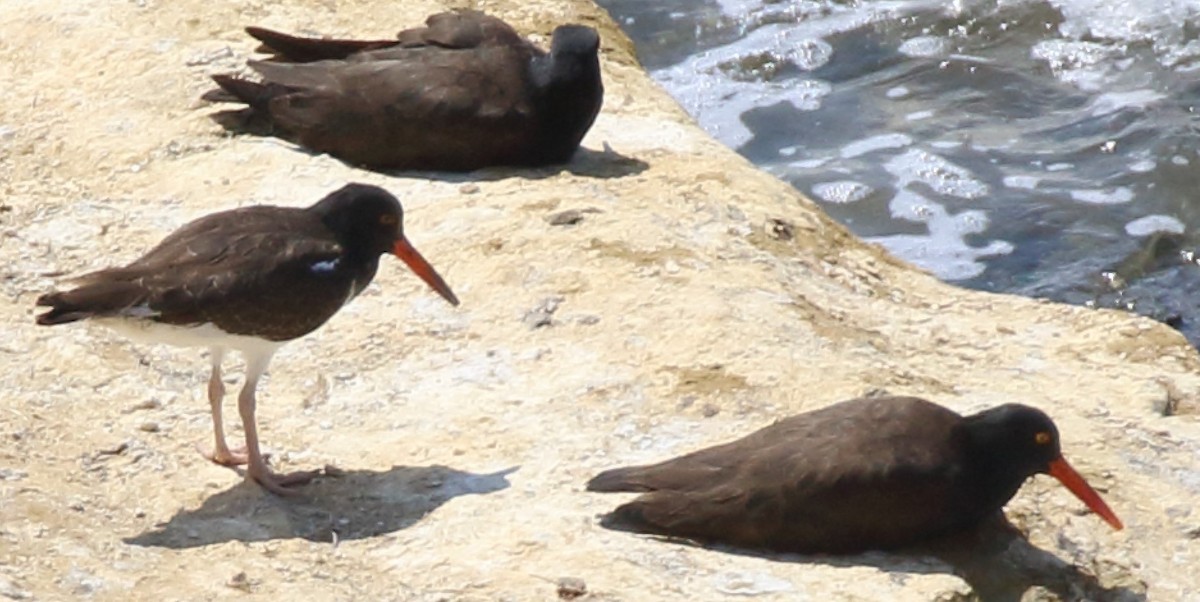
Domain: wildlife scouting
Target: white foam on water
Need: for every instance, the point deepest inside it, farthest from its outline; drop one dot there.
(713, 86)
(919, 115)
(1145, 226)
(1086, 65)
(1160, 22)
(944, 252)
(942, 176)
(1142, 166)
(925, 47)
(809, 163)
(718, 105)
(1098, 35)
(1111, 102)
(841, 192)
(875, 143)
(1022, 182)
(1110, 196)
(945, 144)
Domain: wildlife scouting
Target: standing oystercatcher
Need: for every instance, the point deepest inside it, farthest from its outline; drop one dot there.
(464, 92)
(250, 280)
(871, 473)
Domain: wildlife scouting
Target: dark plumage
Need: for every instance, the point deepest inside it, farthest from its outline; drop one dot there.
(462, 93)
(249, 279)
(871, 473)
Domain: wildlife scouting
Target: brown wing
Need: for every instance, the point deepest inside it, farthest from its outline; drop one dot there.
(295, 49)
(444, 108)
(461, 29)
(453, 30)
(870, 473)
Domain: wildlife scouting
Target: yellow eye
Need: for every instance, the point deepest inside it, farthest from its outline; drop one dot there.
(1042, 438)
(387, 219)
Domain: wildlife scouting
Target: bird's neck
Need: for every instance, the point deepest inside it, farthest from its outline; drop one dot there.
(363, 265)
(995, 479)
(566, 91)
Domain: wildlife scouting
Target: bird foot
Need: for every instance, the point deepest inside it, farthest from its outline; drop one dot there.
(281, 484)
(227, 457)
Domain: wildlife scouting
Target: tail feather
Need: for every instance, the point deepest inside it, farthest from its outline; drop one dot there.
(235, 89)
(100, 299)
(630, 517)
(306, 50)
(705, 517)
(630, 478)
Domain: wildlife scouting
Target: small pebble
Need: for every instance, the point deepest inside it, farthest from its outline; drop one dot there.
(239, 581)
(781, 229)
(149, 427)
(570, 217)
(542, 314)
(570, 588)
(149, 404)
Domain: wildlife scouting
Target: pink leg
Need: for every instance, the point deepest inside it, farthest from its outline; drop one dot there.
(257, 468)
(221, 454)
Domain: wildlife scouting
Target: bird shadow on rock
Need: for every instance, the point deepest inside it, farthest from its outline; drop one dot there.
(994, 559)
(1000, 565)
(355, 504)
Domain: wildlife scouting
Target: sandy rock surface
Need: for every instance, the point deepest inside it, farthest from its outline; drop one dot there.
(688, 300)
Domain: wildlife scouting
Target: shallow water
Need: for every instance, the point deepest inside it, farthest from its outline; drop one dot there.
(1044, 148)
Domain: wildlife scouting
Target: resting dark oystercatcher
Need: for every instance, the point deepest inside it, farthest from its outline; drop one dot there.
(248, 280)
(462, 93)
(870, 473)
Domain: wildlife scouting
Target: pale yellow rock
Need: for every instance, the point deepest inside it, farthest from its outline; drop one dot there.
(703, 300)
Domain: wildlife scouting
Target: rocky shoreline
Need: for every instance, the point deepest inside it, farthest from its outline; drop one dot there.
(658, 295)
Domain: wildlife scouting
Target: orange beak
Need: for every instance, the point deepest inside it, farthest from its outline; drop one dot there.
(1062, 471)
(409, 255)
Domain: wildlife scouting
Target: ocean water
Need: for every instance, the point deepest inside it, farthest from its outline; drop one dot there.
(1043, 148)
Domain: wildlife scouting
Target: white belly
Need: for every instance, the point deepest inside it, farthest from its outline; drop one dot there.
(205, 335)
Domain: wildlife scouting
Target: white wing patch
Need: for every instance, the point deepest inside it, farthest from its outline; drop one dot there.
(325, 267)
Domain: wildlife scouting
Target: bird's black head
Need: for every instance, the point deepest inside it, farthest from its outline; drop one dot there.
(1012, 442)
(573, 65)
(368, 222)
(366, 219)
(568, 91)
(1024, 438)
(576, 42)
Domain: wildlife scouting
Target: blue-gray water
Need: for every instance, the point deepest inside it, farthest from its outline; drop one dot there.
(1044, 148)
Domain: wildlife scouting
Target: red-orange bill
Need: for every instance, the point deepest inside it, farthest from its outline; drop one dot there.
(409, 255)
(1062, 471)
